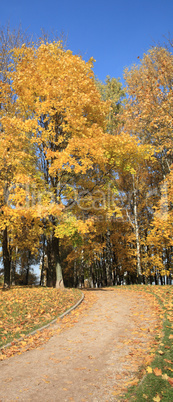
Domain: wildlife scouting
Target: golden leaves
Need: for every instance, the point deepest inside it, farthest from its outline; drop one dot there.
(24, 309)
(171, 336)
(56, 302)
(62, 83)
(160, 352)
(157, 398)
(63, 117)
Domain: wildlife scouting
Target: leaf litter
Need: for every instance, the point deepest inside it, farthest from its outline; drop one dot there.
(137, 346)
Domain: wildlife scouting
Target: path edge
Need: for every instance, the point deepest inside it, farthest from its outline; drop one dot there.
(45, 326)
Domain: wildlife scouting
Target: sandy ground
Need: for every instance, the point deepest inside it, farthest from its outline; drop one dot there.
(93, 360)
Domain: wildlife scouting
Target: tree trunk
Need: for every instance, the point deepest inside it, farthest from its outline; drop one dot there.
(108, 259)
(81, 275)
(13, 271)
(49, 263)
(59, 283)
(91, 277)
(59, 278)
(75, 275)
(42, 264)
(103, 279)
(6, 259)
(27, 276)
(13, 266)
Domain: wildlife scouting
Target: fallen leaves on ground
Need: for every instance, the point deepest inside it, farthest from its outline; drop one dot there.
(157, 398)
(162, 307)
(157, 371)
(40, 337)
(22, 310)
(149, 369)
(146, 334)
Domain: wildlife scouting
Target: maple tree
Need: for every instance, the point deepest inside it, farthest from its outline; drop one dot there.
(160, 234)
(149, 89)
(65, 116)
(147, 115)
(95, 254)
(16, 165)
(70, 144)
(17, 160)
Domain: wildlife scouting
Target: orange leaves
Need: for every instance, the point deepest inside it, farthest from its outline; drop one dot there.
(65, 118)
(157, 372)
(170, 380)
(17, 164)
(65, 300)
(168, 361)
(59, 82)
(171, 336)
(24, 309)
(147, 117)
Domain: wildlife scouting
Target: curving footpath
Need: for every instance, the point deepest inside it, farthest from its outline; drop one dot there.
(95, 359)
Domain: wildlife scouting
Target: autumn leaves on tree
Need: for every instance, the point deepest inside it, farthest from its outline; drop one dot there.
(85, 176)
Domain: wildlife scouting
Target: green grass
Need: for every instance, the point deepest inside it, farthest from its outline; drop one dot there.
(152, 387)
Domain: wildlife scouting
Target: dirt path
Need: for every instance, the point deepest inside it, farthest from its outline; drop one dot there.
(93, 360)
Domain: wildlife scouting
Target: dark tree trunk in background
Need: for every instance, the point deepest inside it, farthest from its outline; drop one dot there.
(75, 275)
(6, 259)
(54, 273)
(42, 264)
(50, 263)
(28, 268)
(108, 259)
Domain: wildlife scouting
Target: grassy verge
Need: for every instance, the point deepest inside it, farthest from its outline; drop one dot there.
(157, 383)
(24, 309)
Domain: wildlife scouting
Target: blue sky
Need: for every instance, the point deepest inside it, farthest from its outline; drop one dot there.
(114, 32)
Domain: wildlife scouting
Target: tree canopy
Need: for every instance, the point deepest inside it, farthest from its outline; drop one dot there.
(85, 167)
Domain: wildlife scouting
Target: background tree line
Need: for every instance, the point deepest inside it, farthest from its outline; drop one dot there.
(85, 167)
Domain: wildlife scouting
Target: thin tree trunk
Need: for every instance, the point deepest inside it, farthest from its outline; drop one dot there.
(104, 272)
(6, 259)
(59, 283)
(13, 270)
(42, 264)
(13, 266)
(108, 259)
(75, 274)
(59, 278)
(91, 277)
(27, 276)
(49, 263)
